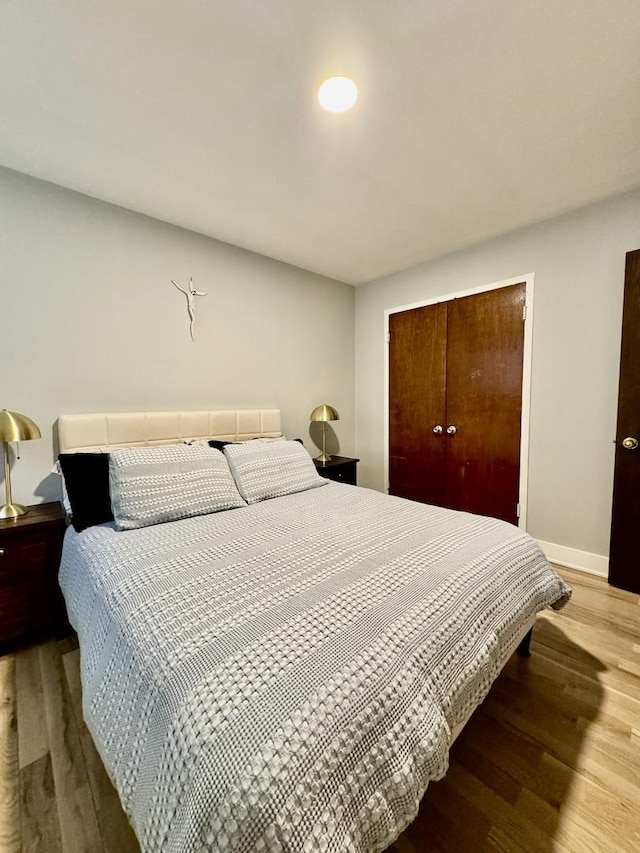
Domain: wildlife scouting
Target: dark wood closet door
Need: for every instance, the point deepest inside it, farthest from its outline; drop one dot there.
(624, 555)
(417, 370)
(458, 365)
(484, 401)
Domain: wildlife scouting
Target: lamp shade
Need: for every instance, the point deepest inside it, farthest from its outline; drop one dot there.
(324, 413)
(17, 427)
(13, 427)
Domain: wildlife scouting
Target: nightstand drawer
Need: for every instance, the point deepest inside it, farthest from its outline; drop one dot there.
(345, 473)
(31, 604)
(25, 604)
(342, 469)
(19, 556)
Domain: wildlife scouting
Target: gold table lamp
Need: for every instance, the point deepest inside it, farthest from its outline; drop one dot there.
(14, 427)
(324, 414)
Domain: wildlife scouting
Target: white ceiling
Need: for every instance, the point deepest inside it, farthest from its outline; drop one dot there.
(475, 117)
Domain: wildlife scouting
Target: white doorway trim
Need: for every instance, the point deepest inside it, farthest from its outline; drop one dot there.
(526, 376)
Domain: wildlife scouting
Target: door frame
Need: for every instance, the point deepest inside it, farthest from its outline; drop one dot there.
(528, 280)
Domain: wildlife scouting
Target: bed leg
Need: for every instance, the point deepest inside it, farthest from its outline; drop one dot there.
(523, 649)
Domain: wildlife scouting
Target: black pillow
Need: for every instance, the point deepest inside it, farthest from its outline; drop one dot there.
(86, 476)
(219, 444)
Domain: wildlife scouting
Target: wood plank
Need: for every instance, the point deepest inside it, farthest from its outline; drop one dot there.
(78, 825)
(9, 791)
(488, 771)
(522, 833)
(33, 742)
(572, 829)
(39, 813)
(402, 845)
(500, 841)
(438, 822)
(554, 674)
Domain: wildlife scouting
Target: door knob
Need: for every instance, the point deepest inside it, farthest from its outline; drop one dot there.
(629, 443)
(437, 430)
(451, 430)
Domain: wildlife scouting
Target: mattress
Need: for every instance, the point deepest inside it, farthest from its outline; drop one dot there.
(286, 676)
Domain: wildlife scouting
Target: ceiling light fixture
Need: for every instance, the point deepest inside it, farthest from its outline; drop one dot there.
(337, 94)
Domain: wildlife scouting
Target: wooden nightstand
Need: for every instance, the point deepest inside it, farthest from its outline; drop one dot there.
(342, 469)
(31, 603)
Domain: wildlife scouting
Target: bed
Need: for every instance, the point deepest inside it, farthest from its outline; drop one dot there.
(287, 674)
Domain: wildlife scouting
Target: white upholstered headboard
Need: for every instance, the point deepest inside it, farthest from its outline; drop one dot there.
(77, 433)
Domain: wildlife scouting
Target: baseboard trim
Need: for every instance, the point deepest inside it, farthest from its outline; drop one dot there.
(585, 561)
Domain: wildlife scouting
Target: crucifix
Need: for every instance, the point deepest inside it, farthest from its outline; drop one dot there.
(191, 294)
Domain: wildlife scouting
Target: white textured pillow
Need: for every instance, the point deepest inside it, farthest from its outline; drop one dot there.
(150, 485)
(269, 469)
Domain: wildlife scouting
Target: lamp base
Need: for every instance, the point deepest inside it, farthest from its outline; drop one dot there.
(323, 458)
(12, 510)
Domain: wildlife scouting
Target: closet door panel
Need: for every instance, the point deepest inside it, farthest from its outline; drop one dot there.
(485, 342)
(417, 371)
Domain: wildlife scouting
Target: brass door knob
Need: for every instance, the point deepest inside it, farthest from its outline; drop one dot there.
(630, 443)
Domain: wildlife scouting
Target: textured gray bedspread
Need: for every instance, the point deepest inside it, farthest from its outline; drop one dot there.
(285, 676)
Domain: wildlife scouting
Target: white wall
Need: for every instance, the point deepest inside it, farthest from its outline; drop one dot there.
(89, 321)
(578, 262)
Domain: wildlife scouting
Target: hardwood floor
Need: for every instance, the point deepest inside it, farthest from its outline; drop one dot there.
(550, 762)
